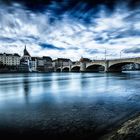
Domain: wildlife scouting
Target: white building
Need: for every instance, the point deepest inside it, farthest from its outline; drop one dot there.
(10, 59)
(34, 64)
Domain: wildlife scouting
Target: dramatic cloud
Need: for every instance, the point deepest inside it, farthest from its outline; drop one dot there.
(70, 29)
(132, 50)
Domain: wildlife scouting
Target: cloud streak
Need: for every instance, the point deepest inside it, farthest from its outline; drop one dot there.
(72, 32)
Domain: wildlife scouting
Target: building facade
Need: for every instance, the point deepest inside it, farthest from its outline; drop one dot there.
(10, 59)
(34, 64)
(26, 63)
(61, 62)
(48, 66)
(40, 64)
(44, 64)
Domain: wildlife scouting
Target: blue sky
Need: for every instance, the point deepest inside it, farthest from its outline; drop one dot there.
(59, 29)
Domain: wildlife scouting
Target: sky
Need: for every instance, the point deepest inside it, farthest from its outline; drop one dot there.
(71, 28)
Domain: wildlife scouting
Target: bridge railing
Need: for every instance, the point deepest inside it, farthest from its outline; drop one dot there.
(102, 59)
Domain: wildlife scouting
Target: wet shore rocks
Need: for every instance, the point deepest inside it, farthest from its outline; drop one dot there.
(130, 130)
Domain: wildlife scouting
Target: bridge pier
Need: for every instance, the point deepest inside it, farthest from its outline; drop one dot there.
(82, 66)
(106, 66)
(70, 68)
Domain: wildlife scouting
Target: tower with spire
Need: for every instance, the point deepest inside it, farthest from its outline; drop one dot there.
(25, 61)
(26, 54)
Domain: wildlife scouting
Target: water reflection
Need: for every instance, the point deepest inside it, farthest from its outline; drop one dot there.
(31, 86)
(26, 88)
(45, 100)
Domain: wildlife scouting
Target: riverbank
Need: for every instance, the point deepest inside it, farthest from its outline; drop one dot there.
(129, 130)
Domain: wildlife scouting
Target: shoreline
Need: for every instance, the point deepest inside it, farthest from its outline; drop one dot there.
(128, 129)
(11, 72)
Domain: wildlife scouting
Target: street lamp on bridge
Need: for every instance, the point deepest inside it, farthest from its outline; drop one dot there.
(121, 54)
(105, 54)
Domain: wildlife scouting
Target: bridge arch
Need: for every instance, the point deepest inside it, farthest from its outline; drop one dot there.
(75, 69)
(118, 67)
(58, 70)
(66, 69)
(95, 68)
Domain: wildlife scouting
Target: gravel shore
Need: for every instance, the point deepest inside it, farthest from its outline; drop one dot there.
(130, 130)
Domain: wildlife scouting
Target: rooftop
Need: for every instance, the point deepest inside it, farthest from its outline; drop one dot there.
(47, 58)
(62, 59)
(8, 54)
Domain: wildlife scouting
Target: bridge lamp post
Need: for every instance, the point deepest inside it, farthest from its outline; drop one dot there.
(121, 54)
(105, 53)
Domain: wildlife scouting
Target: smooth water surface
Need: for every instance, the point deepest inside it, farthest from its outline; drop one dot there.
(67, 103)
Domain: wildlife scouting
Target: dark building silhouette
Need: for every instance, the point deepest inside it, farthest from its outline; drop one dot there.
(25, 62)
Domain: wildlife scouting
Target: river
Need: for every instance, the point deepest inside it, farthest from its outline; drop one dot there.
(77, 105)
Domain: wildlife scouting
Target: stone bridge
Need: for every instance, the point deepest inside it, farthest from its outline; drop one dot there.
(114, 65)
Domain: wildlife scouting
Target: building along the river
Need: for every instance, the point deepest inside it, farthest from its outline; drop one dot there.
(61, 62)
(33, 64)
(25, 62)
(48, 67)
(10, 59)
(44, 64)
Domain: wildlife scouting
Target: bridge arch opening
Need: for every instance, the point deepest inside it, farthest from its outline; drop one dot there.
(58, 70)
(76, 69)
(95, 68)
(65, 69)
(119, 67)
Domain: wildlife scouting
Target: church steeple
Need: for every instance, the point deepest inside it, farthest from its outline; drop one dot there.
(26, 52)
